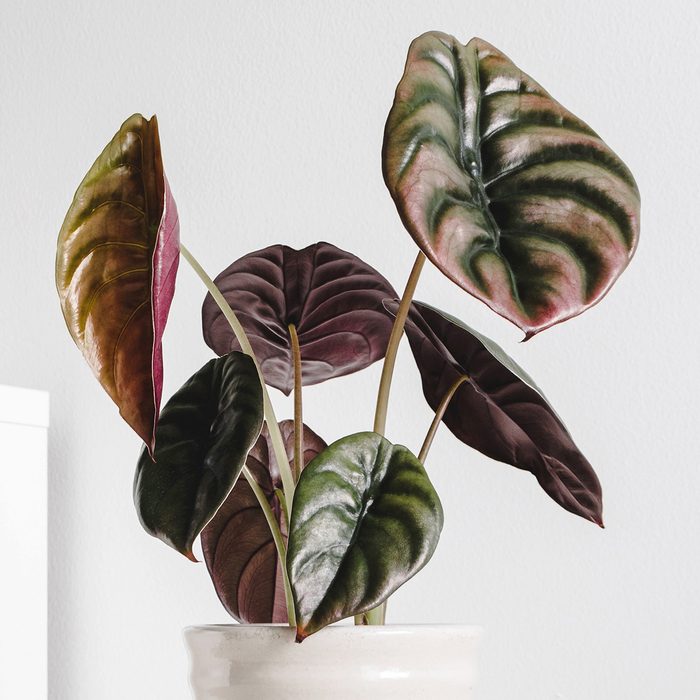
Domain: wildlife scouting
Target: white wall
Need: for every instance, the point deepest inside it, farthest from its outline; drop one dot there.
(271, 120)
(24, 420)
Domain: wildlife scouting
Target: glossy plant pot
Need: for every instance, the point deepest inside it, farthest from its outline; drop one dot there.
(342, 662)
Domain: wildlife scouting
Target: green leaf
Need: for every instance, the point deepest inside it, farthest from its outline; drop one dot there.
(203, 438)
(365, 519)
(509, 194)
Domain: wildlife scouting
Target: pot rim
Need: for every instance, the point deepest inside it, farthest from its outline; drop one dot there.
(399, 628)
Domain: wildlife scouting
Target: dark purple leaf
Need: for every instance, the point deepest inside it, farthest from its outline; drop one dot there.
(332, 297)
(237, 544)
(500, 411)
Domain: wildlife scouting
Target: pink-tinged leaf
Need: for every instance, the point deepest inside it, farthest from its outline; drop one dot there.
(237, 545)
(509, 194)
(499, 411)
(166, 257)
(333, 298)
(116, 263)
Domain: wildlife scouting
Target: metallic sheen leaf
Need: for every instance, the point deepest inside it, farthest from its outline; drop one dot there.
(365, 519)
(238, 548)
(332, 297)
(500, 411)
(509, 194)
(203, 438)
(117, 257)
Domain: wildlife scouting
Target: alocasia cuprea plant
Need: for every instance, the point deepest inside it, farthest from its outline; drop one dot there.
(511, 196)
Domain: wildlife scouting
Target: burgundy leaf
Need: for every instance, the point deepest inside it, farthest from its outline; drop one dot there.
(237, 544)
(500, 411)
(332, 297)
(116, 261)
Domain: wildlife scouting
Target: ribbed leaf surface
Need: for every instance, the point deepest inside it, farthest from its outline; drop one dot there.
(332, 297)
(238, 548)
(117, 258)
(500, 411)
(203, 438)
(365, 519)
(509, 194)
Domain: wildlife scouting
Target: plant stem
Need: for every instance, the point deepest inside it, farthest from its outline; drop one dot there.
(393, 346)
(298, 415)
(377, 616)
(439, 413)
(239, 332)
(283, 502)
(278, 539)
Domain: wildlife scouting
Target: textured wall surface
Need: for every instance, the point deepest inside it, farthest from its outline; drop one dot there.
(271, 119)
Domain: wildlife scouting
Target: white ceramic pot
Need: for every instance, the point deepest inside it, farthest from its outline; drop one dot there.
(341, 662)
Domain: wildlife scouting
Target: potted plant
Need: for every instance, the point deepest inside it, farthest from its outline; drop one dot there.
(514, 199)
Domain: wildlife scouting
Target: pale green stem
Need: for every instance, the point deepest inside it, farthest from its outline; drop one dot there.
(393, 346)
(278, 539)
(283, 503)
(239, 332)
(377, 616)
(439, 413)
(298, 415)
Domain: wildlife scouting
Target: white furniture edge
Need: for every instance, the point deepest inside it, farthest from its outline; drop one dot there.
(24, 406)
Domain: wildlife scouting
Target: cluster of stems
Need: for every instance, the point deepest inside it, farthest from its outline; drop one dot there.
(290, 472)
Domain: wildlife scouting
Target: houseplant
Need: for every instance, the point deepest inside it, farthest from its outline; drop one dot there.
(514, 198)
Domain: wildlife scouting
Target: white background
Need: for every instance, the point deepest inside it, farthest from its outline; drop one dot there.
(271, 119)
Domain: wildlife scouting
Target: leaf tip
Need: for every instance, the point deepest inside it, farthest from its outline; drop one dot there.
(190, 555)
(596, 517)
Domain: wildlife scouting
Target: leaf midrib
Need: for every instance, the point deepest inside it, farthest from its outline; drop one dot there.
(471, 160)
(368, 493)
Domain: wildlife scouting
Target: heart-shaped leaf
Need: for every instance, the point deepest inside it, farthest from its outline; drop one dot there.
(237, 545)
(500, 411)
(333, 299)
(365, 519)
(509, 194)
(117, 257)
(203, 438)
